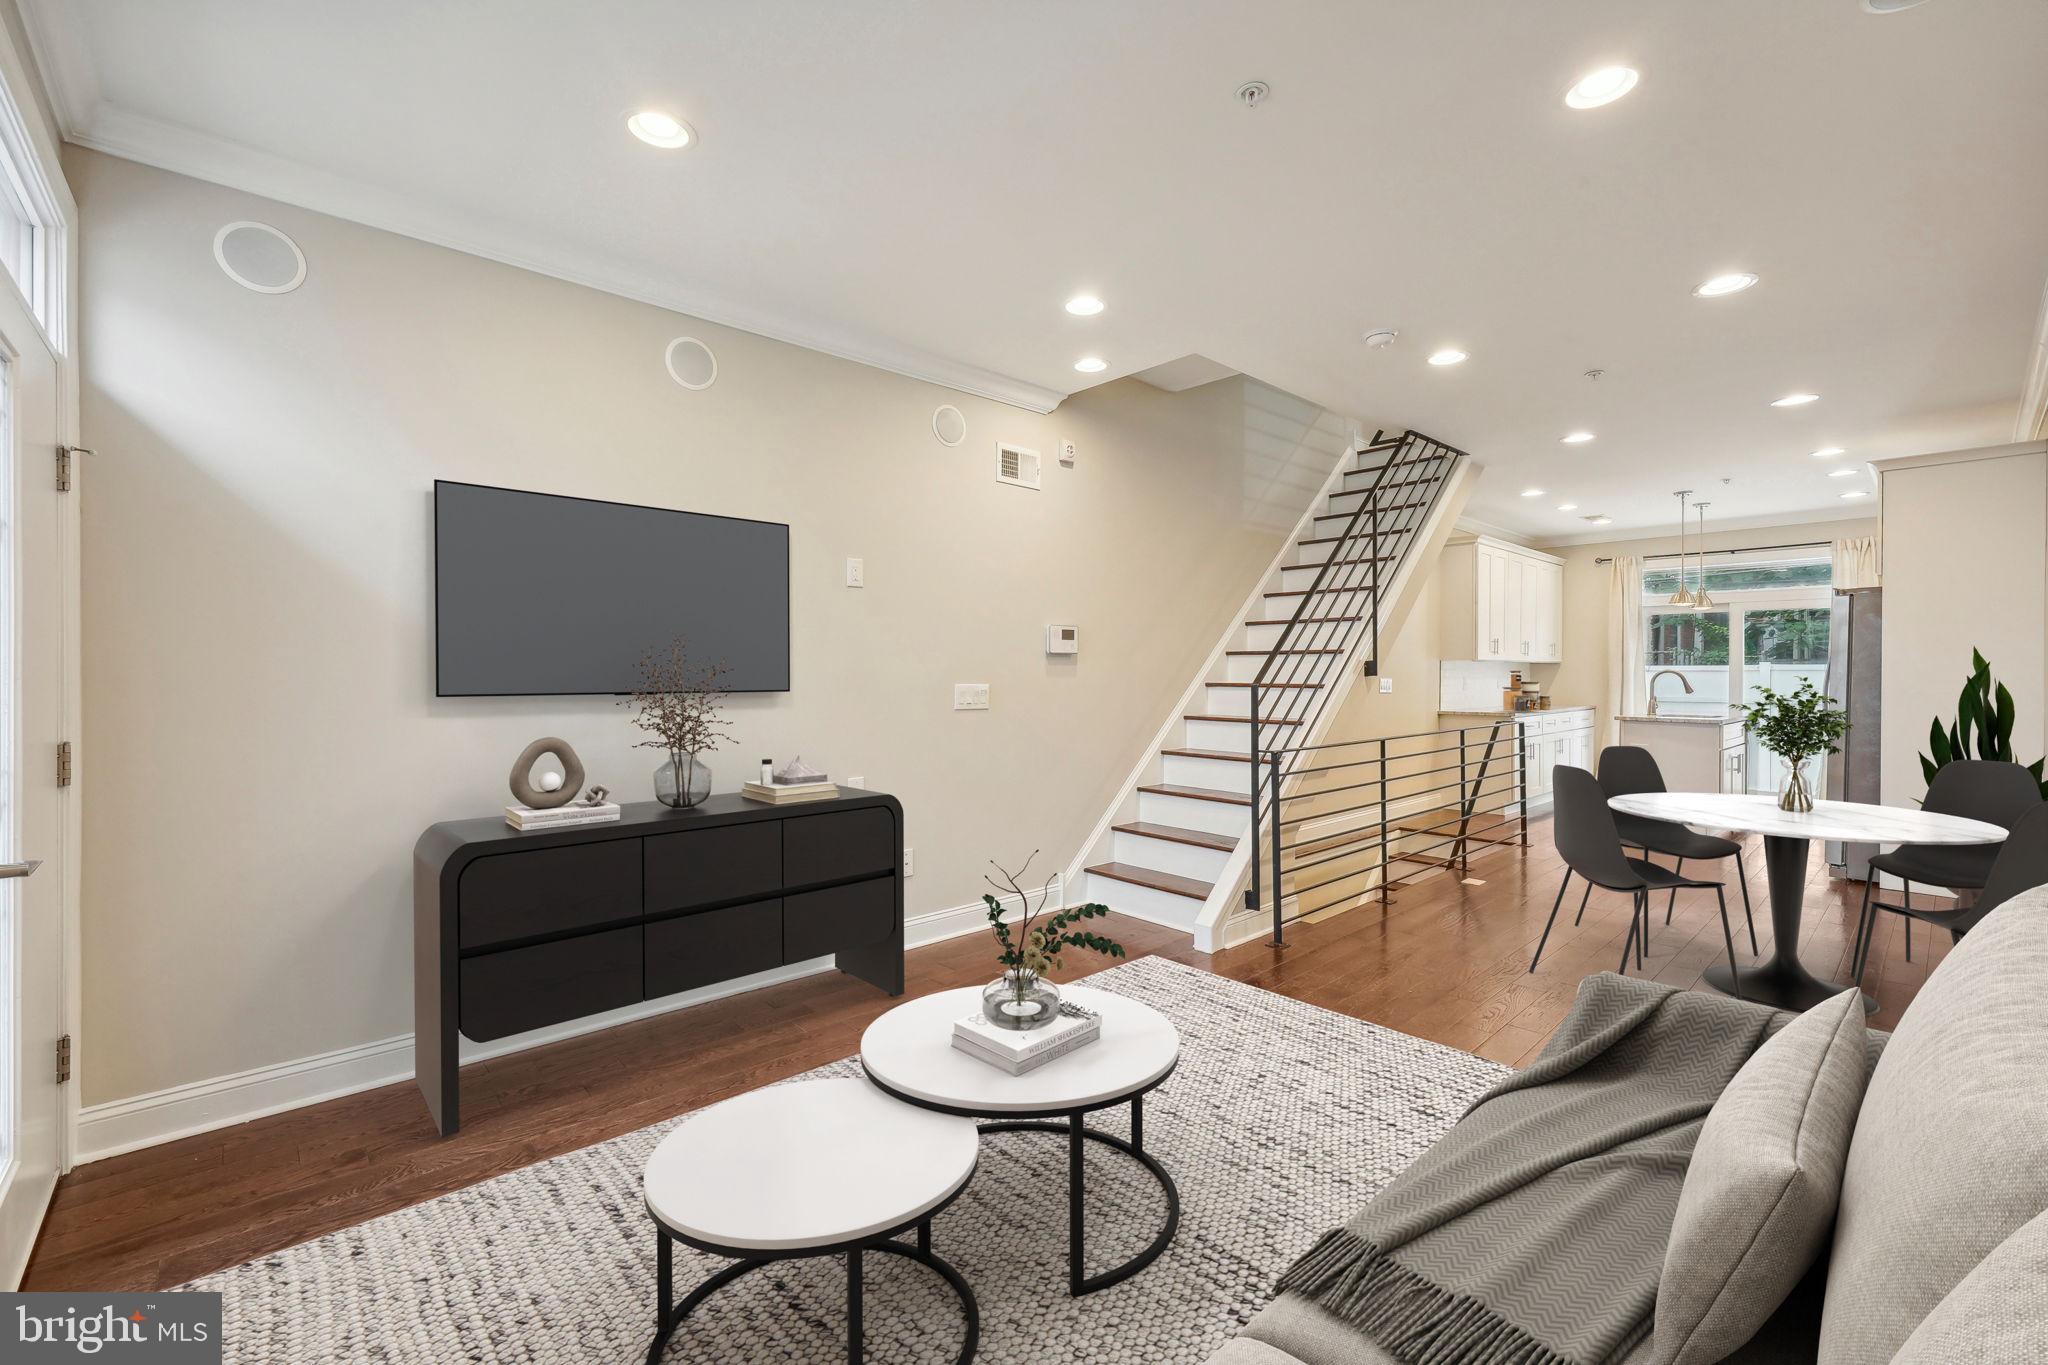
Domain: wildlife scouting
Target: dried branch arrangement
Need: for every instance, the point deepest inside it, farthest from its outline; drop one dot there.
(679, 703)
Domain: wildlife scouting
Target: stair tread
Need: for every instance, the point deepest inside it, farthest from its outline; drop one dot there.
(1227, 755)
(1168, 882)
(1324, 591)
(1246, 684)
(1262, 653)
(1174, 834)
(1308, 621)
(1198, 794)
(1360, 559)
(1241, 720)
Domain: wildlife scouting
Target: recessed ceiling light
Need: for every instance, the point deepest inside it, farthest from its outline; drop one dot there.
(1084, 305)
(660, 130)
(1857, 493)
(1724, 284)
(1598, 520)
(1532, 492)
(1382, 338)
(1795, 400)
(1827, 452)
(1091, 365)
(1567, 507)
(1889, 6)
(1448, 356)
(1604, 86)
(1840, 473)
(1575, 438)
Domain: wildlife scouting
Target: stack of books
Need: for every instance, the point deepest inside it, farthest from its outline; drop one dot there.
(561, 817)
(789, 793)
(1019, 1051)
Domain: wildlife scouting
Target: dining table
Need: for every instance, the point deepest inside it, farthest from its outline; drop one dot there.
(1783, 980)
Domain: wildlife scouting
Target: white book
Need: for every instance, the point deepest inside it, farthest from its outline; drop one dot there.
(1018, 1044)
(525, 817)
(1019, 1066)
(787, 796)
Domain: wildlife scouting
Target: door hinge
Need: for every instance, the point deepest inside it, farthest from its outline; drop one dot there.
(64, 1059)
(64, 764)
(64, 454)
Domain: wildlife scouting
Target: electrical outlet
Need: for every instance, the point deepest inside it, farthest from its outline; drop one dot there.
(856, 781)
(1067, 452)
(909, 862)
(970, 696)
(1386, 684)
(856, 573)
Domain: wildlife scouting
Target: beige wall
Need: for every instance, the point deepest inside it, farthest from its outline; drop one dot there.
(1965, 567)
(1581, 679)
(262, 745)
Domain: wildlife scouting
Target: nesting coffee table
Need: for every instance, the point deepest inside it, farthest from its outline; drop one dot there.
(909, 1053)
(812, 1168)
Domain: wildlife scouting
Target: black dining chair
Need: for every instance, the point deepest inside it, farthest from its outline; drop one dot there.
(2021, 865)
(1975, 789)
(1628, 770)
(1588, 840)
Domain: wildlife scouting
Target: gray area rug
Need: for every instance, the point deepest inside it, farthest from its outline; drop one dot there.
(1280, 1121)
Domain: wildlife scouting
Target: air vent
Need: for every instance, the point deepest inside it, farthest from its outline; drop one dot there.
(1016, 465)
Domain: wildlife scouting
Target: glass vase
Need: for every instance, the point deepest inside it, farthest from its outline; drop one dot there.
(682, 788)
(1020, 1000)
(1798, 794)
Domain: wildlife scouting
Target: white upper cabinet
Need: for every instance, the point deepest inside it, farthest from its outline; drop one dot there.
(1501, 601)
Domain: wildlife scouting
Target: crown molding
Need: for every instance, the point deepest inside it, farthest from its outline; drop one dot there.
(108, 128)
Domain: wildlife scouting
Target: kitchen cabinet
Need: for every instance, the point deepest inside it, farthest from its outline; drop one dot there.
(1694, 753)
(1501, 601)
(1547, 739)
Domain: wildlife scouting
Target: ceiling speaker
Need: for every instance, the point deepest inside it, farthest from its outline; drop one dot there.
(691, 363)
(257, 256)
(949, 425)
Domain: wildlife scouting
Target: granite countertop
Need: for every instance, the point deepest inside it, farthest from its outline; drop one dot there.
(1687, 720)
(1498, 714)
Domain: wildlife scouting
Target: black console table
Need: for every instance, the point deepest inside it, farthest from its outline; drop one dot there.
(516, 930)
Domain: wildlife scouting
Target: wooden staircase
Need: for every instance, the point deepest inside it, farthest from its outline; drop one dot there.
(1165, 861)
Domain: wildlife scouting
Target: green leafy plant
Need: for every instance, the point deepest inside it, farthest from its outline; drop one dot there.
(1797, 725)
(1035, 947)
(1985, 713)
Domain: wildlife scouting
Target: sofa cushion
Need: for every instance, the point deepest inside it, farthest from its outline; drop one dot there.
(1245, 1351)
(1760, 1192)
(1950, 1156)
(1998, 1313)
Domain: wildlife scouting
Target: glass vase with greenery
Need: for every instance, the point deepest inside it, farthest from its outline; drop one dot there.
(1022, 998)
(678, 702)
(1795, 726)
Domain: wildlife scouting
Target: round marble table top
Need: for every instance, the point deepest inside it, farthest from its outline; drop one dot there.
(1846, 820)
(910, 1050)
(808, 1164)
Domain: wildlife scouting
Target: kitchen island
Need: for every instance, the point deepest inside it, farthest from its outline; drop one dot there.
(1695, 753)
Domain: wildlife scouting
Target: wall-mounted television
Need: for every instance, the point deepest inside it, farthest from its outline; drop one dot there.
(541, 595)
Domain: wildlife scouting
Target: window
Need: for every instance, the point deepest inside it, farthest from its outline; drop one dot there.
(1768, 626)
(32, 224)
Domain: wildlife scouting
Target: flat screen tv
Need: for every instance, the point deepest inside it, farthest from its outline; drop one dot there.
(540, 595)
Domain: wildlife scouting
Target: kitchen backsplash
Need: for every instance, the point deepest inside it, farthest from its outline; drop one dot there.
(1465, 685)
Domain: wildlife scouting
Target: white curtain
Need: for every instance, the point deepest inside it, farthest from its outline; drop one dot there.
(1856, 562)
(1624, 641)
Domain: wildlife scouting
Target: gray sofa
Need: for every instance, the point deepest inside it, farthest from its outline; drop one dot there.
(1940, 1248)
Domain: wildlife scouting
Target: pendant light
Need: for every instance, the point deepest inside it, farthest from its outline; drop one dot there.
(1683, 597)
(1700, 599)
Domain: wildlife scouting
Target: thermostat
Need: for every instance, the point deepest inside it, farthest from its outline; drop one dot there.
(1063, 639)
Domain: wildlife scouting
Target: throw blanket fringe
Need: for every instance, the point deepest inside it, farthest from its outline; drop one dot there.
(1419, 1322)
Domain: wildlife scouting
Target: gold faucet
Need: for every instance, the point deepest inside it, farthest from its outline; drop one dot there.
(1662, 672)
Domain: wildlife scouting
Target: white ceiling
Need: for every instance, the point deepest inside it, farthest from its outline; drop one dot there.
(923, 185)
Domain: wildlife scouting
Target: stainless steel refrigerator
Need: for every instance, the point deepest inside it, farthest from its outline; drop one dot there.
(1855, 650)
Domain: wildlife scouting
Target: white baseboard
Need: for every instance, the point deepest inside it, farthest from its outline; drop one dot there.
(127, 1125)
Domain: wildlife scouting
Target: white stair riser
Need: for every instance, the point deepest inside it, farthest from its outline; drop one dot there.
(1162, 907)
(1216, 774)
(1245, 667)
(1357, 480)
(1313, 554)
(1231, 736)
(1318, 634)
(1344, 576)
(1167, 855)
(1186, 812)
(1343, 504)
(1279, 609)
(1237, 701)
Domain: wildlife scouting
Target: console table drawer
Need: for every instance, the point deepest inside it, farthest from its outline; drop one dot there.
(819, 922)
(703, 866)
(548, 890)
(838, 844)
(713, 945)
(526, 988)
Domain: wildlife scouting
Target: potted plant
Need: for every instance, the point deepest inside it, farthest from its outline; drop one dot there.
(678, 704)
(1985, 708)
(1022, 998)
(1795, 727)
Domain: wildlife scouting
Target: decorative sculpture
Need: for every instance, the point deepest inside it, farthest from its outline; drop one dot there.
(532, 797)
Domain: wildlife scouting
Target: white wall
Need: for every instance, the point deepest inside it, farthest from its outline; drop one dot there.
(1965, 567)
(262, 745)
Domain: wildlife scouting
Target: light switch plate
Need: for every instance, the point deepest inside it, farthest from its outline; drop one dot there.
(1067, 452)
(1386, 684)
(970, 696)
(856, 573)
(910, 862)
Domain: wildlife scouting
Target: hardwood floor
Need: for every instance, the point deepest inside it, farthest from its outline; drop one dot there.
(1447, 961)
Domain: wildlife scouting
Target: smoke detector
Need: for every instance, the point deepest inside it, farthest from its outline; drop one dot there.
(1381, 339)
(1253, 93)
(1594, 375)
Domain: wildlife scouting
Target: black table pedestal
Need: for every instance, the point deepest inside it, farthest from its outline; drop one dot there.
(1782, 980)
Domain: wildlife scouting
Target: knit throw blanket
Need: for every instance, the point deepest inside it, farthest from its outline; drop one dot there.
(1534, 1232)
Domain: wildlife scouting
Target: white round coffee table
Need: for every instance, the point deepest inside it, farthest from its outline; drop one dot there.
(812, 1168)
(909, 1053)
